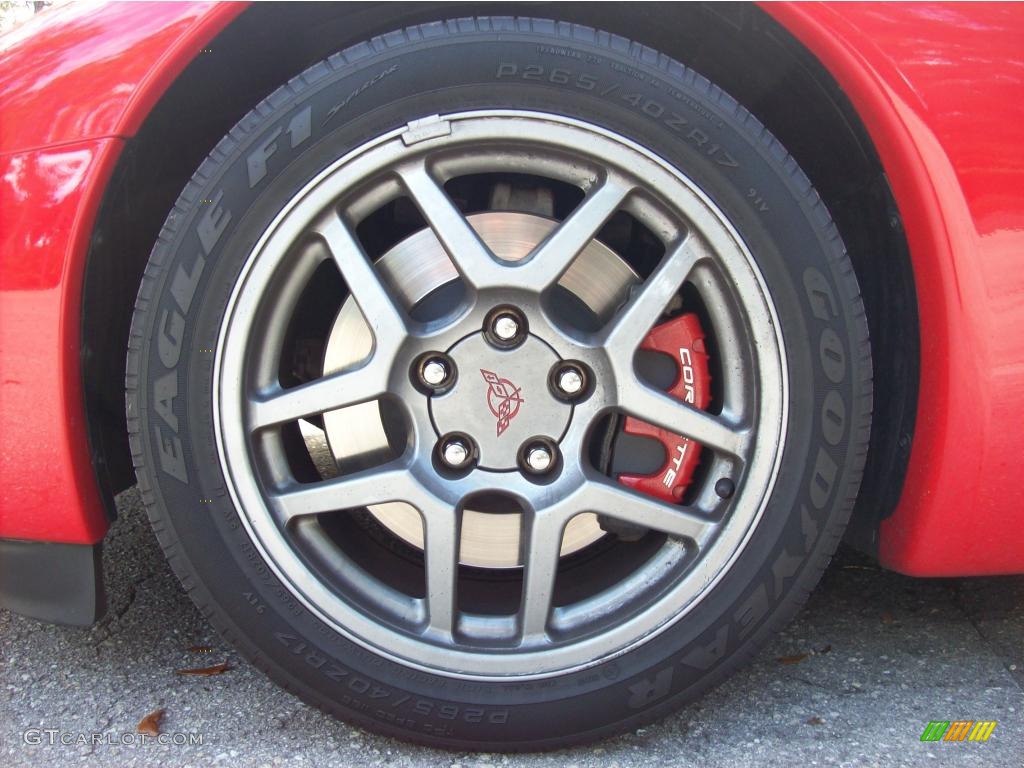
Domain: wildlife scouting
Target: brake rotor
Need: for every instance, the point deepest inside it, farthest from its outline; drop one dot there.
(414, 269)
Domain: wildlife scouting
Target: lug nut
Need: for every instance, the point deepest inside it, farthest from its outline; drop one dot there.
(435, 372)
(570, 381)
(455, 452)
(506, 327)
(539, 458)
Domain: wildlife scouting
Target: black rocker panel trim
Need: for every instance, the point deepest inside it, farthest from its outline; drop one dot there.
(57, 583)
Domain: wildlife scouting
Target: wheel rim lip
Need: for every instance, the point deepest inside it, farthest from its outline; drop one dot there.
(244, 487)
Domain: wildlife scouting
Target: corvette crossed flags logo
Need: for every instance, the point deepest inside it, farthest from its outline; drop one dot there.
(503, 399)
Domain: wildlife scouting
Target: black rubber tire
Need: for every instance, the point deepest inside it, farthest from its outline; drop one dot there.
(492, 63)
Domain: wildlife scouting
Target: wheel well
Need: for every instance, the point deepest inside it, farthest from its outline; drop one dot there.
(738, 47)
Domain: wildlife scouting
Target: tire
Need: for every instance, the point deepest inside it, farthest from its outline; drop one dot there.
(180, 342)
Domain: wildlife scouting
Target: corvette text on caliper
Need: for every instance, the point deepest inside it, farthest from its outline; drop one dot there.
(681, 338)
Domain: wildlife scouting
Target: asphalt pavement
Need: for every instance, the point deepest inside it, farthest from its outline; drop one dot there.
(852, 682)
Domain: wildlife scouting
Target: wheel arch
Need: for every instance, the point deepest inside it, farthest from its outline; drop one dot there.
(742, 49)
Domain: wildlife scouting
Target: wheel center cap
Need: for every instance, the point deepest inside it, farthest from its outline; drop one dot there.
(501, 399)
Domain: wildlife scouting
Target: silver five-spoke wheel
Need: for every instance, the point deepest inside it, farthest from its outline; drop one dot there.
(472, 372)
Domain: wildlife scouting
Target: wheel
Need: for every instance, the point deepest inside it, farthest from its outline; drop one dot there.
(499, 384)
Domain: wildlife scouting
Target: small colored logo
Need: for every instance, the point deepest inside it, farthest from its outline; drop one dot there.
(958, 730)
(503, 399)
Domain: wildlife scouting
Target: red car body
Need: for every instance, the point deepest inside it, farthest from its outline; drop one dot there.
(939, 89)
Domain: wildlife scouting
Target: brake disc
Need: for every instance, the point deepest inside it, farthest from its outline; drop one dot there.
(414, 269)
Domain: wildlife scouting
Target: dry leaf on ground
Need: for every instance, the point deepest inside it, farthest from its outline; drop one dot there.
(794, 659)
(216, 669)
(150, 724)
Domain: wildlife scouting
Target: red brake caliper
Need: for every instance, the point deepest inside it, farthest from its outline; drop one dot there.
(682, 338)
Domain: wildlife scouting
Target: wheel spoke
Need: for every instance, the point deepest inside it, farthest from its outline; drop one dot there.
(441, 551)
(471, 257)
(630, 326)
(541, 547)
(555, 255)
(603, 498)
(386, 320)
(389, 482)
(335, 390)
(657, 408)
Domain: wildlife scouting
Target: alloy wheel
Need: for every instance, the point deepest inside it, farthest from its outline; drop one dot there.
(465, 386)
